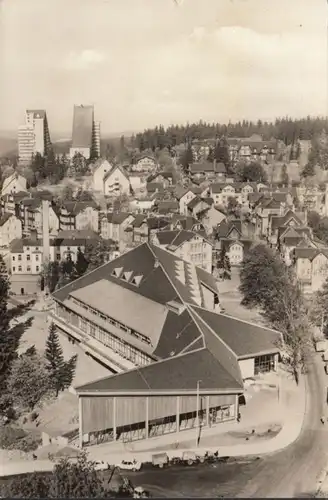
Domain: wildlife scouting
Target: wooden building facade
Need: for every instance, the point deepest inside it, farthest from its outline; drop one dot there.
(127, 417)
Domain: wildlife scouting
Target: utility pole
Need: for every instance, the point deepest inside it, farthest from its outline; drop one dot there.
(197, 414)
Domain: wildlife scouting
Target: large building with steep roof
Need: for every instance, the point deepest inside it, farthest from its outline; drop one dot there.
(154, 319)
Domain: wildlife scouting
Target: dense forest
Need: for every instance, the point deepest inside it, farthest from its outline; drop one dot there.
(286, 129)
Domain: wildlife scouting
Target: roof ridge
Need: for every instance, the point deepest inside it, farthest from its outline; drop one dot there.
(210, 328)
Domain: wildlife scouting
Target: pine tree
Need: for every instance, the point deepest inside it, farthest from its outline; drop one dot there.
(55, 363)
(9, 336)
(81, 264)
(284, 178)
(224, 265)
(61, 372)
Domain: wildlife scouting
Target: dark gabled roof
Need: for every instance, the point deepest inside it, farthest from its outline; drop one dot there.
(227, 243)
(117, 217)
(154, 186)
(220, 168)
(205, 166)
(194, 202)
(5, 217)
(180, 191)
(187, 222)
(176, 373)
(226, 227)
(75, 207)
(243, 338)
(157, 222)
(164, 174)
(138, 220)
(306, 253)
(17, 245)
(116, 167)
(168, 206)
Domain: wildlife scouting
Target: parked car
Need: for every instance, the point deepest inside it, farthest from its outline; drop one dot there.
(140, 492)
(133, 465)
(160, 460)
(99, 465)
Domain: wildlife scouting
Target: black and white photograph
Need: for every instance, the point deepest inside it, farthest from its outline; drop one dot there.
(163, 249)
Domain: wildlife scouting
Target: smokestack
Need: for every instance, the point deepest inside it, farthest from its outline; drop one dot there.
(45, 233)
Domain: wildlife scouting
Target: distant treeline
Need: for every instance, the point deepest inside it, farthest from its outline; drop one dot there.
(285, 129)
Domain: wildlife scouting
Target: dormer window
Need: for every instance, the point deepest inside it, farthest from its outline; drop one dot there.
(117, 272)
(127, 275)
(136, 280)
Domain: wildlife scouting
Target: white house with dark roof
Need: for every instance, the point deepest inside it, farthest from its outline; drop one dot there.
(13, 184)
(79, 215)
(116, 182)
(189, 246)
(100, 169)
(10, 229)
(153, 318)
(144, 163)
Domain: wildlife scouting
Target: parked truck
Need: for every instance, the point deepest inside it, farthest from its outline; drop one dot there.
(160, 460)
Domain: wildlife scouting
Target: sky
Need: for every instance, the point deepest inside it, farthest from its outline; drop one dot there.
(148, 62)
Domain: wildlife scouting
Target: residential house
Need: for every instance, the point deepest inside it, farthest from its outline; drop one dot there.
(185, 195)
(284, 220)
(253, 148)
(144, 163)
(211, 217)
(113, 226)
(116, 182)
(187, 223)
(142, 205)
(198, 205)
(101, 169)
(144, 227)
(13, 184)
(289, 238)
(31, 214)
(10, 229)
(230, 232)
(167, 207)
(270, 204)
(208, 170)
(311, 265)
(79, 215)
(27, 257)
(235, 250)
(187, 245)
(222, 191)
(312, 197)
(163, 178)
(10, 202)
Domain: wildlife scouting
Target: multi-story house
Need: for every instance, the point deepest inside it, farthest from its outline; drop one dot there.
(26, 257)
(190, 246)
(79, 215)
(235, 250)
(163, 178)
(313, 197)
(270, 204)
(185, 195)
(252, 149)
(116, 182)
(211, 217)
(311, 265)
(197, 205)
(10, 229)
(166, 207)
(235, 238)
(187, 223)
(208, 170)
(278, 223)
(30, 212)
(144, 163)
(101, 168)
(113, 226)
(221, 192)
(143, 227)
(13, 184)
(10, 202)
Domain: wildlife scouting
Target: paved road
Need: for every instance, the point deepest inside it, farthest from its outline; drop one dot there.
(289, 473)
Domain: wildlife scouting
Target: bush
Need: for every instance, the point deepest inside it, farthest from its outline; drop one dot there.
(34, 416)
(10, 436)
(27, 444)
